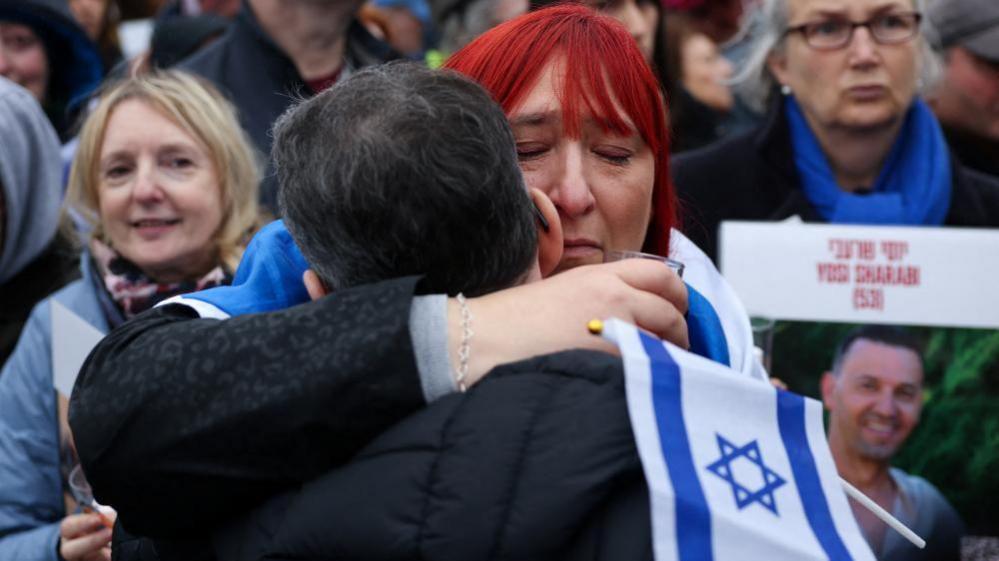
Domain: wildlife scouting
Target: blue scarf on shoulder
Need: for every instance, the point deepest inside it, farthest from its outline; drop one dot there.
(914, 186)
(704, 329)
(269, 278)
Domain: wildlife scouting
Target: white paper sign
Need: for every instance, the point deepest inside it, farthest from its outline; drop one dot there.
(895, 275)
(72, 340)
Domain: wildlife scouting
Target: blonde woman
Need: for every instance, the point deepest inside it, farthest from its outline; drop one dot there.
(168, 181)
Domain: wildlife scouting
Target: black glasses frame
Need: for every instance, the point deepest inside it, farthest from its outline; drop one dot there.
(806, 34)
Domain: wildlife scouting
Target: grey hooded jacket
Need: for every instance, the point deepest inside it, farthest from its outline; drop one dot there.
(34, 261)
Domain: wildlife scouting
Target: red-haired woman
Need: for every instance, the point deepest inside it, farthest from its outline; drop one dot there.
(589, 121)
(590, 128)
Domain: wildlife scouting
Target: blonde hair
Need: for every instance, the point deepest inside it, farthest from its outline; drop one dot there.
(200, 110)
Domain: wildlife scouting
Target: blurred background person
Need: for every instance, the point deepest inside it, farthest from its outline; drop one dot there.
(169, 182)
(222, 8)
(140, 9)
(642, 19)
(277, 51)
(846, 140)
(183, 27)
(874, 395)
(179, 37)
(43, 49)
(404, 24)
(720, 20)
(732, 27)
(36, 256)
(696, 81)
(966, 101)
(461, 21)
(99, 18)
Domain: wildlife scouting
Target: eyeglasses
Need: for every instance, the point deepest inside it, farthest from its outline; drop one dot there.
(836, 33)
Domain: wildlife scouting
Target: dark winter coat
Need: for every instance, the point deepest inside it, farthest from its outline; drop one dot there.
(537, 461)
(693, 124)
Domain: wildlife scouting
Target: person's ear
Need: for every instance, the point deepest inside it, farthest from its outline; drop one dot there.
(550, 238)
(828, 387)
(777, 64)
(314, 285)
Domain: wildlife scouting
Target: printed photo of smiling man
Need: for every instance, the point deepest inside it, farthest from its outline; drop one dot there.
(874, 396)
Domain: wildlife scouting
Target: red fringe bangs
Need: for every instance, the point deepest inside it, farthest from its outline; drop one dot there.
(602, 64)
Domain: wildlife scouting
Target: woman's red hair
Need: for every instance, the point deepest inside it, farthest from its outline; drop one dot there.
(602, 63)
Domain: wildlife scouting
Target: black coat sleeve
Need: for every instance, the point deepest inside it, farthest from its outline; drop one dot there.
(181, 423)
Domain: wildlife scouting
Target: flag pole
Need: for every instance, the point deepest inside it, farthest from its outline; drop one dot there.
(883, 514)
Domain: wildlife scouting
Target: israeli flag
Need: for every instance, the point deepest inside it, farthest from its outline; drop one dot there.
(736, 468)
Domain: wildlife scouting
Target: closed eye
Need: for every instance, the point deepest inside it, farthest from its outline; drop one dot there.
(614, 155)
(527, 151)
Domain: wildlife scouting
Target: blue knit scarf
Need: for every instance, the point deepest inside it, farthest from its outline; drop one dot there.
(913, 188)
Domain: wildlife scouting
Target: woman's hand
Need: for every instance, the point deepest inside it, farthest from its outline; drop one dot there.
(84, 537)
(551, 315)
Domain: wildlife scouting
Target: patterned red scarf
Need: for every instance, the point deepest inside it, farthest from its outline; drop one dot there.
(133, 291)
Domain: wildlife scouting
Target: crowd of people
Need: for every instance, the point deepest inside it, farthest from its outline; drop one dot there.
(397, 367)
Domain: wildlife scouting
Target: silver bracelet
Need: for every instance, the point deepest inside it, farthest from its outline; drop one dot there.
(466, 342)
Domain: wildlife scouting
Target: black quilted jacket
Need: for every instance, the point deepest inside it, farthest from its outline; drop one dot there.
(537, 462)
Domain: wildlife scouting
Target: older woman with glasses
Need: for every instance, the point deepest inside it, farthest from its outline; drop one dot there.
(847, 139)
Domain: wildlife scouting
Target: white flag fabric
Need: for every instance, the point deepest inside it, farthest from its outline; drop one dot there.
(72, 340)
(736, 468)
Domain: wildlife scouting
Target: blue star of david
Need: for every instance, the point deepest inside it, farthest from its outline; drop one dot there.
(744, 496)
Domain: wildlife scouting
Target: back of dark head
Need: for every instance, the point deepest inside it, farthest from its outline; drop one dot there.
(400, 170)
